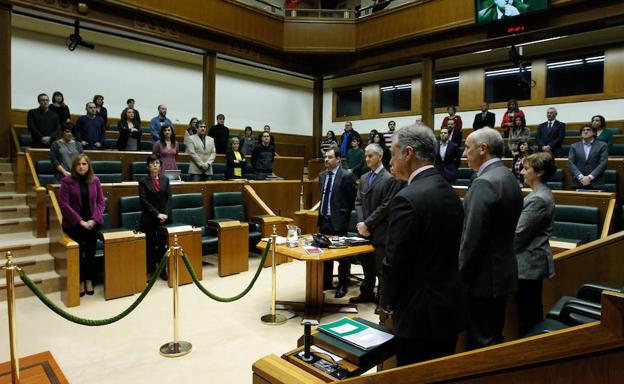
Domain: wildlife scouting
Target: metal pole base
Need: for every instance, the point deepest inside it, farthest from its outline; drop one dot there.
(273, 319)
(178, 349)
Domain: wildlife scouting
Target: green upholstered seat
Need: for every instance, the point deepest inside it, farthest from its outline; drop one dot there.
(230, 205)
(110, 144)
(45, 172)
(184, 168)
(249, 172)
(618, 150)
(188, 209)
(146, 145)
(353, 220)
(611, 181)
(139, 170)
(25, 140)
(130, 212)
(556, 181)
(107, 171)
(576, 223)
(464, 176)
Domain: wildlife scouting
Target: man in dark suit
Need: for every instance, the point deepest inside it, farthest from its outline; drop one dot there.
(376, 190)
(486, 259)
(448, 157)
(587, 160)
(337, 198)
(551, 133)
(421, 283)
(485, 118)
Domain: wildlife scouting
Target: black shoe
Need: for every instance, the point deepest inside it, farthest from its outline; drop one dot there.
(377, 310)
(341, 291)
(90, 293)
(82, 293)
(362, 299)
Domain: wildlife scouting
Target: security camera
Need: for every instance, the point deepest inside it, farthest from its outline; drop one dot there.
(74, 40)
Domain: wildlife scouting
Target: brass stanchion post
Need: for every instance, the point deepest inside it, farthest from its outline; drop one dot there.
(176, 348)
(9, 269)
(273, 318)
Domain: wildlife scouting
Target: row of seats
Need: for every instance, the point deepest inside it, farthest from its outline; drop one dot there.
(188, 209)
(111, 172)
(570, 311)
(464, 178)
(25, 141)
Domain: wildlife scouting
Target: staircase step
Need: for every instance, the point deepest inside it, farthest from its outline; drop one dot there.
(7, 176)
(12, 199)
(16, 211)
(47, 281)
(42, 263)
(23, 244)
(6, 167)
(7, 186)
(20, 224)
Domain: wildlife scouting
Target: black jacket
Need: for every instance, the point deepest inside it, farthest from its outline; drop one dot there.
(154, 203)
(230, 164)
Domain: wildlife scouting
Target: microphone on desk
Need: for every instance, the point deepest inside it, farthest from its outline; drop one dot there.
(137, 228)
(307, 339)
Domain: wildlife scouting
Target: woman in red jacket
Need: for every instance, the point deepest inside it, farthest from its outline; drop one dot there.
(82, 206)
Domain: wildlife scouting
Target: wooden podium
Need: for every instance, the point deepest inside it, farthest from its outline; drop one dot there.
(233, 256)
(189, 238)
(124, 264)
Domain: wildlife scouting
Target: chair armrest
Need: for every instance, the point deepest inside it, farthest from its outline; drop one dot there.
(217, 224)
(575, 314)
(592, 292)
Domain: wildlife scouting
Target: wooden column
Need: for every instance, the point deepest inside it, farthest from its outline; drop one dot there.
(208, 88)
(426, 91)
(317, 115)
(5, 79)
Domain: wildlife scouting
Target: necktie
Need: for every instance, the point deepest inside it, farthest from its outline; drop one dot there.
(371, 178)
(550, 126)
(326, 193)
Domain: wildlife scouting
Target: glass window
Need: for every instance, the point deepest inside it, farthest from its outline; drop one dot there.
(575, 76)
(349, 102)
(396, 97)
(503, 84)
(446, 90)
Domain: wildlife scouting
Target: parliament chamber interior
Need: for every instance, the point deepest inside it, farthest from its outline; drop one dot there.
(188, 244)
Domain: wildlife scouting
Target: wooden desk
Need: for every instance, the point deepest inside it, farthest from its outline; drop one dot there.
(233, 256)
(189, 238)
(314, 305)
(124, 264)
(560, 246)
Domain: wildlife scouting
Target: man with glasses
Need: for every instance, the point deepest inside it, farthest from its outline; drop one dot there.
(43, 124)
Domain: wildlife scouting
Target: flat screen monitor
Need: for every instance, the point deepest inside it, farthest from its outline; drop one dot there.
(489, 11)
(172, 174)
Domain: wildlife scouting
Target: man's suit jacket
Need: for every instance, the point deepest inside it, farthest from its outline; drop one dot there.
(452, 159)
(480, 122)
(486, 259)
(373, 203)
(531, 246)
(421, 281)
(553, 137)
(154, 202)
(342, 198)
(200, 154)
(595, 164)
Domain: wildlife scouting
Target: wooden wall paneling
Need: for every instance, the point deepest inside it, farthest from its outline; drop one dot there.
(5, 78)
(471, 88)
(370, 101)
(311, 193)
(209, 76)
(538, 75)
(282, 196)
(427, 91)
(613, 69)
(290, 168)
(317, 117)
(318, 35)
(416, 95)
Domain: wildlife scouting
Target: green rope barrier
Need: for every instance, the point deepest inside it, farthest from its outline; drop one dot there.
(93, 323)
(206, 292)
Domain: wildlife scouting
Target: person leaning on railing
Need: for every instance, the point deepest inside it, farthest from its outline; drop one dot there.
(82, 205)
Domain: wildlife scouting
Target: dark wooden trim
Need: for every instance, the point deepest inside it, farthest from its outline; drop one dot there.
(317, 116)
(209, 86)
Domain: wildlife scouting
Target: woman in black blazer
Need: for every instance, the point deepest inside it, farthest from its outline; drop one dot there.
(234, 161)
(154, 195)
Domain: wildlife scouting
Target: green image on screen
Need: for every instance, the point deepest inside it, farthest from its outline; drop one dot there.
(493, 10)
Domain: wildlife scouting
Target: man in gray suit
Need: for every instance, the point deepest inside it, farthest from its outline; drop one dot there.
(587, 160)
(377, 188)
(201, 149)
(486, 258)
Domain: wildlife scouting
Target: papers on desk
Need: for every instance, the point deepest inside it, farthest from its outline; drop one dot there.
(280, 240)
(355, 333)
